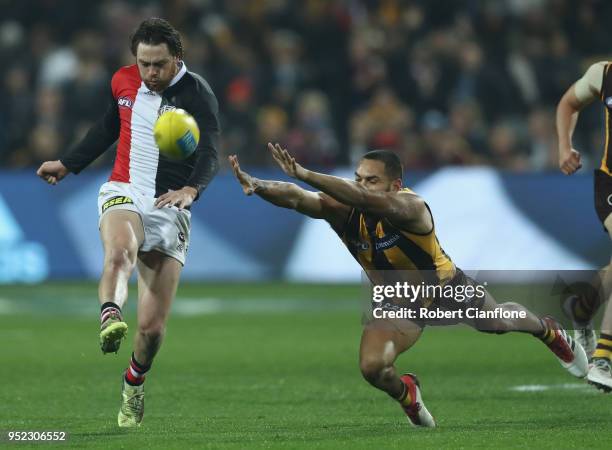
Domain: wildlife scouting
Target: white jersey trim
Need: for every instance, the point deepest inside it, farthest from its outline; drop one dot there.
(182, 71)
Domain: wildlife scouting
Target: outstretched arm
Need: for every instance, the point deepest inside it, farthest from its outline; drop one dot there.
(405, 210)
(288, 195)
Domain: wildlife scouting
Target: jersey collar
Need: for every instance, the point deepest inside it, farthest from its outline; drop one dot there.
(179, 74)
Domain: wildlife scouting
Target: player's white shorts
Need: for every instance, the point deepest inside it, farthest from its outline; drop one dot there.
(166, 229)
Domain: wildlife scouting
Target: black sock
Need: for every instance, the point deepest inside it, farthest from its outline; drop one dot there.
(109, 305)
(109, 308)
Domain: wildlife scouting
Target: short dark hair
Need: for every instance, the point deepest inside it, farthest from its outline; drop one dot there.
(393, 165)
(155, 31)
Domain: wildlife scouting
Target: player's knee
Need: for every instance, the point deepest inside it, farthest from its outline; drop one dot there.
(511, 323)
(120, 259)
(151, 332)
(374, 369)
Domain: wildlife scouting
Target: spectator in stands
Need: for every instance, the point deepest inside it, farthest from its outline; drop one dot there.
(377, 68)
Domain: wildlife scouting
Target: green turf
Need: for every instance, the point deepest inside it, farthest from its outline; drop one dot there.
(279, 379)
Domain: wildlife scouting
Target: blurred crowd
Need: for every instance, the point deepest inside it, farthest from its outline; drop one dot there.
(441, 82)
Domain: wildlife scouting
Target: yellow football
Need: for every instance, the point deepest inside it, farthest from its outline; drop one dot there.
(176, 134)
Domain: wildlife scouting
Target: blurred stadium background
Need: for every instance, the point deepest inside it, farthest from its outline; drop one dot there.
(463, 90)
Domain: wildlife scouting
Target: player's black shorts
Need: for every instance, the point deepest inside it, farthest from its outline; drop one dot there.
(458, 304)
(603, 195)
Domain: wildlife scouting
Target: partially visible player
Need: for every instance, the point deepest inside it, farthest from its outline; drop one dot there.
(389, 228)
(595, 84)
(144, 207)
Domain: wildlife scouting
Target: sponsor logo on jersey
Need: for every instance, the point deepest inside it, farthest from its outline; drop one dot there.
(181, 236)
(119, 200)
(387, 242)
(165, 108)
(125, 102)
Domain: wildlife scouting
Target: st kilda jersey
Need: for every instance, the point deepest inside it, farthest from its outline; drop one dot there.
(130, 119)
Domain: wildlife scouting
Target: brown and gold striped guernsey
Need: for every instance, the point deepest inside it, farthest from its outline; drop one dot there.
(381, 246)
(606, 98)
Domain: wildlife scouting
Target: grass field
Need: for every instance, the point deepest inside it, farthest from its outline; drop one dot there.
(275, 366)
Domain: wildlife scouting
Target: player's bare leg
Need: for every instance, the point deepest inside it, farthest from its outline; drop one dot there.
(600, 373)
(581, 307)
(529, 324)
(570, 354)
(382, 342)
(122, 234)
(157, 283)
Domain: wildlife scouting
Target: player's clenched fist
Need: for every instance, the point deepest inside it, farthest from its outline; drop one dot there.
(52, 171)
(570, 162)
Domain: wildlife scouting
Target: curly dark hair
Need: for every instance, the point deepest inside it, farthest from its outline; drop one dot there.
(155, 31)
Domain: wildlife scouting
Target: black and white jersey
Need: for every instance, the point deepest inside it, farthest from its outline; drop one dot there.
(131, 117)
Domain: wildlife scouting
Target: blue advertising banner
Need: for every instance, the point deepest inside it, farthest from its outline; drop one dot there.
(485, 220)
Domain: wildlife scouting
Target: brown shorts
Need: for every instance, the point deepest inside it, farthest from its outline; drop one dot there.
(603, 195)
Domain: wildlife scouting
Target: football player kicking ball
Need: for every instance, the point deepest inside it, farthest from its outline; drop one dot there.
(389, 228)
(144, 207)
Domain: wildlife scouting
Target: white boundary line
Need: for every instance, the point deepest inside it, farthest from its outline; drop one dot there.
(550, 387)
